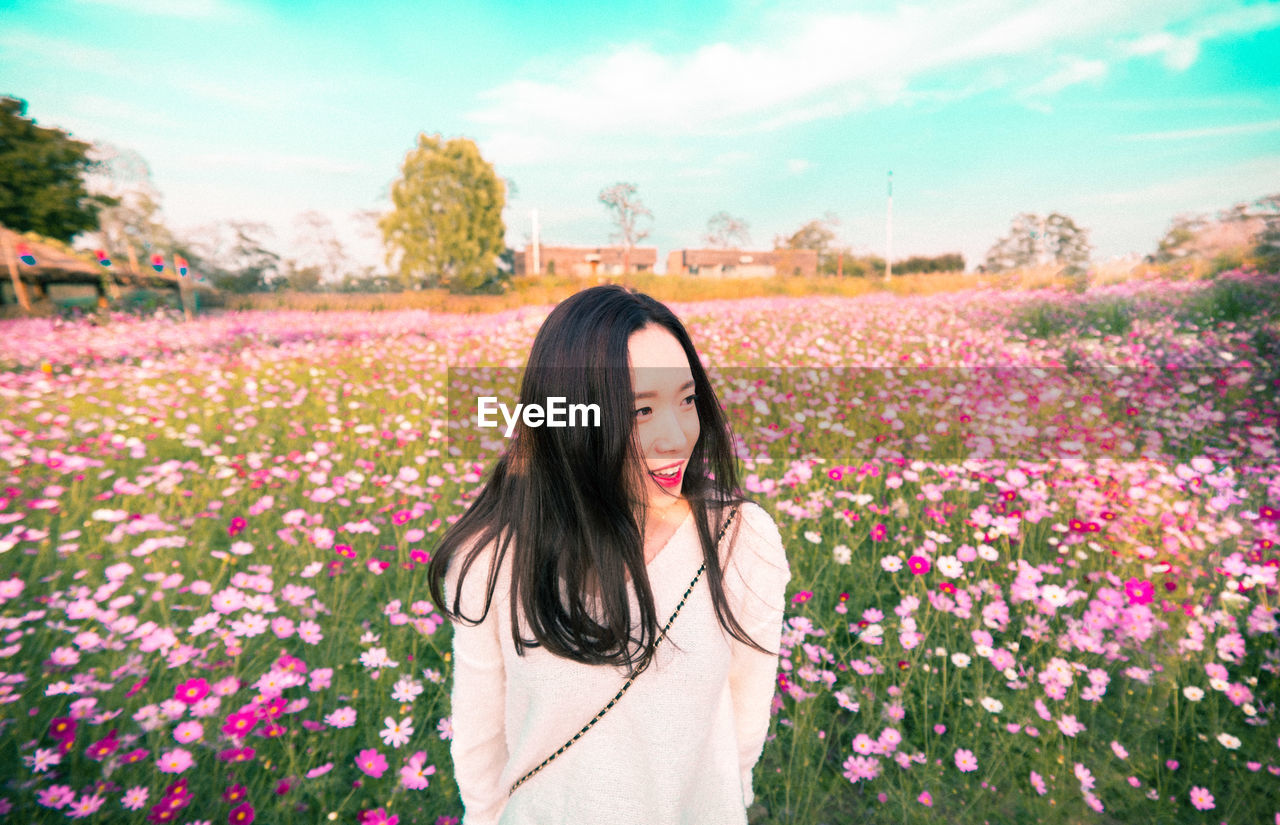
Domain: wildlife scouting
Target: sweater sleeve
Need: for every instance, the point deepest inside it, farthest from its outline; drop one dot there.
(478, 698)
(756, 581)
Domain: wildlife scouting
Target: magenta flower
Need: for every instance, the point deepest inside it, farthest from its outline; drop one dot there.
(371, 762)
(966, 761)
(191, 691)
(379, 816)
(879, 532)
(241, 814)
(63, 728)
(240, 724)
(1139, 592)
(918, 565)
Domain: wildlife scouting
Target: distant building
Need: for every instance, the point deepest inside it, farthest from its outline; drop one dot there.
(585, 261)
(739, 263)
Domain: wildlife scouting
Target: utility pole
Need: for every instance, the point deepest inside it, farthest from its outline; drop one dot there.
(537, 268)
(888, 233)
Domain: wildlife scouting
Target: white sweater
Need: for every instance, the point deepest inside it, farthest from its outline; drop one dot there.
(679, 747)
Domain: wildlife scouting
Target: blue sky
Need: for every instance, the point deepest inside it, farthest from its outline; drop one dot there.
(1119, 114)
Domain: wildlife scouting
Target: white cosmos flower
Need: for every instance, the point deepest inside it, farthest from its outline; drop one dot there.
(950, 566)
(960, 659)
(993, 705)
(1193, 693)
(1228, 741)
(396, 733)
(842, 554)
(1054, 595)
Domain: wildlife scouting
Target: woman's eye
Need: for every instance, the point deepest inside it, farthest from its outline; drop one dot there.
(690, 399)
(643, 411)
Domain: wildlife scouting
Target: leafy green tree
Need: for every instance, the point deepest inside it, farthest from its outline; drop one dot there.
(445, 227)
(1179, 241)
(627, 209)
(818, 235)
(1034, 240)
(42, 172)
(950, 262)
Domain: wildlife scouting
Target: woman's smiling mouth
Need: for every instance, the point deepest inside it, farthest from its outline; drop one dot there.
(669, 476)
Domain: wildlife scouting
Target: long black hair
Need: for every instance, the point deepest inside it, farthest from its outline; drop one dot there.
(566, 502)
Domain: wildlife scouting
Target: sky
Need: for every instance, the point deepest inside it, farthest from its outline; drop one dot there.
(1119, 114)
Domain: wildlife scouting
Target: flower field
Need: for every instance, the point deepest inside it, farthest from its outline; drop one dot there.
(1033, 540)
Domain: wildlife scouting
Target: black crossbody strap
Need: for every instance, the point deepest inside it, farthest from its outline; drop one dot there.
(619, 694)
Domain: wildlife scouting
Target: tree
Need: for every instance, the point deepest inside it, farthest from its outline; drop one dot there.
(235, 257)
(724, 229)
(1179, 241)
(42, 171)
(133, 220)
(627, 211)
(1035, 240)
(817, 235)
(445, 227)
(1267, 246)
(324, 253)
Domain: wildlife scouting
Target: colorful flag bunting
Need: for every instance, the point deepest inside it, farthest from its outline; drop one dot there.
(181, 263)
(157, 262)
(102, 257)
(24, 253)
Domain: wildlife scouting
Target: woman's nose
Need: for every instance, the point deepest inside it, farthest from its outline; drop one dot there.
(669, 435)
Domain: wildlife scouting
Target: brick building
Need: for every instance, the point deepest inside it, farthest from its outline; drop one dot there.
(738, 263)
(585, 261)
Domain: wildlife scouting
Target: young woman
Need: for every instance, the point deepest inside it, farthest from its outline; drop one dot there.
(559, 578)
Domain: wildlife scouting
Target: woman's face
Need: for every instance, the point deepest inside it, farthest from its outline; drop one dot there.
(666, 416)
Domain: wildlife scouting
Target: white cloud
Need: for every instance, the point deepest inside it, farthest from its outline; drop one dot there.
(805, 66)
(190, 9)
(797, 165)
(1205, 192)
(35, 48)
(1074, 71)
(274, 163)
(1178, 52)
(1208, 132)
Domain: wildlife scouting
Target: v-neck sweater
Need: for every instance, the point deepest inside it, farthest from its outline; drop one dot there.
(679, 747)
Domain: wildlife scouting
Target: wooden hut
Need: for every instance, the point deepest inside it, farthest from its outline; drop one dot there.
(61, 279)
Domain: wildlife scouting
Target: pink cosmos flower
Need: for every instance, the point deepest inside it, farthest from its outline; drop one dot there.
(966, 761)
(188, 732)
(879, 532)
(1201, 799)
(858, 768)
(918, 565)
(925, 798)
(175, 761)
(371, 762)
